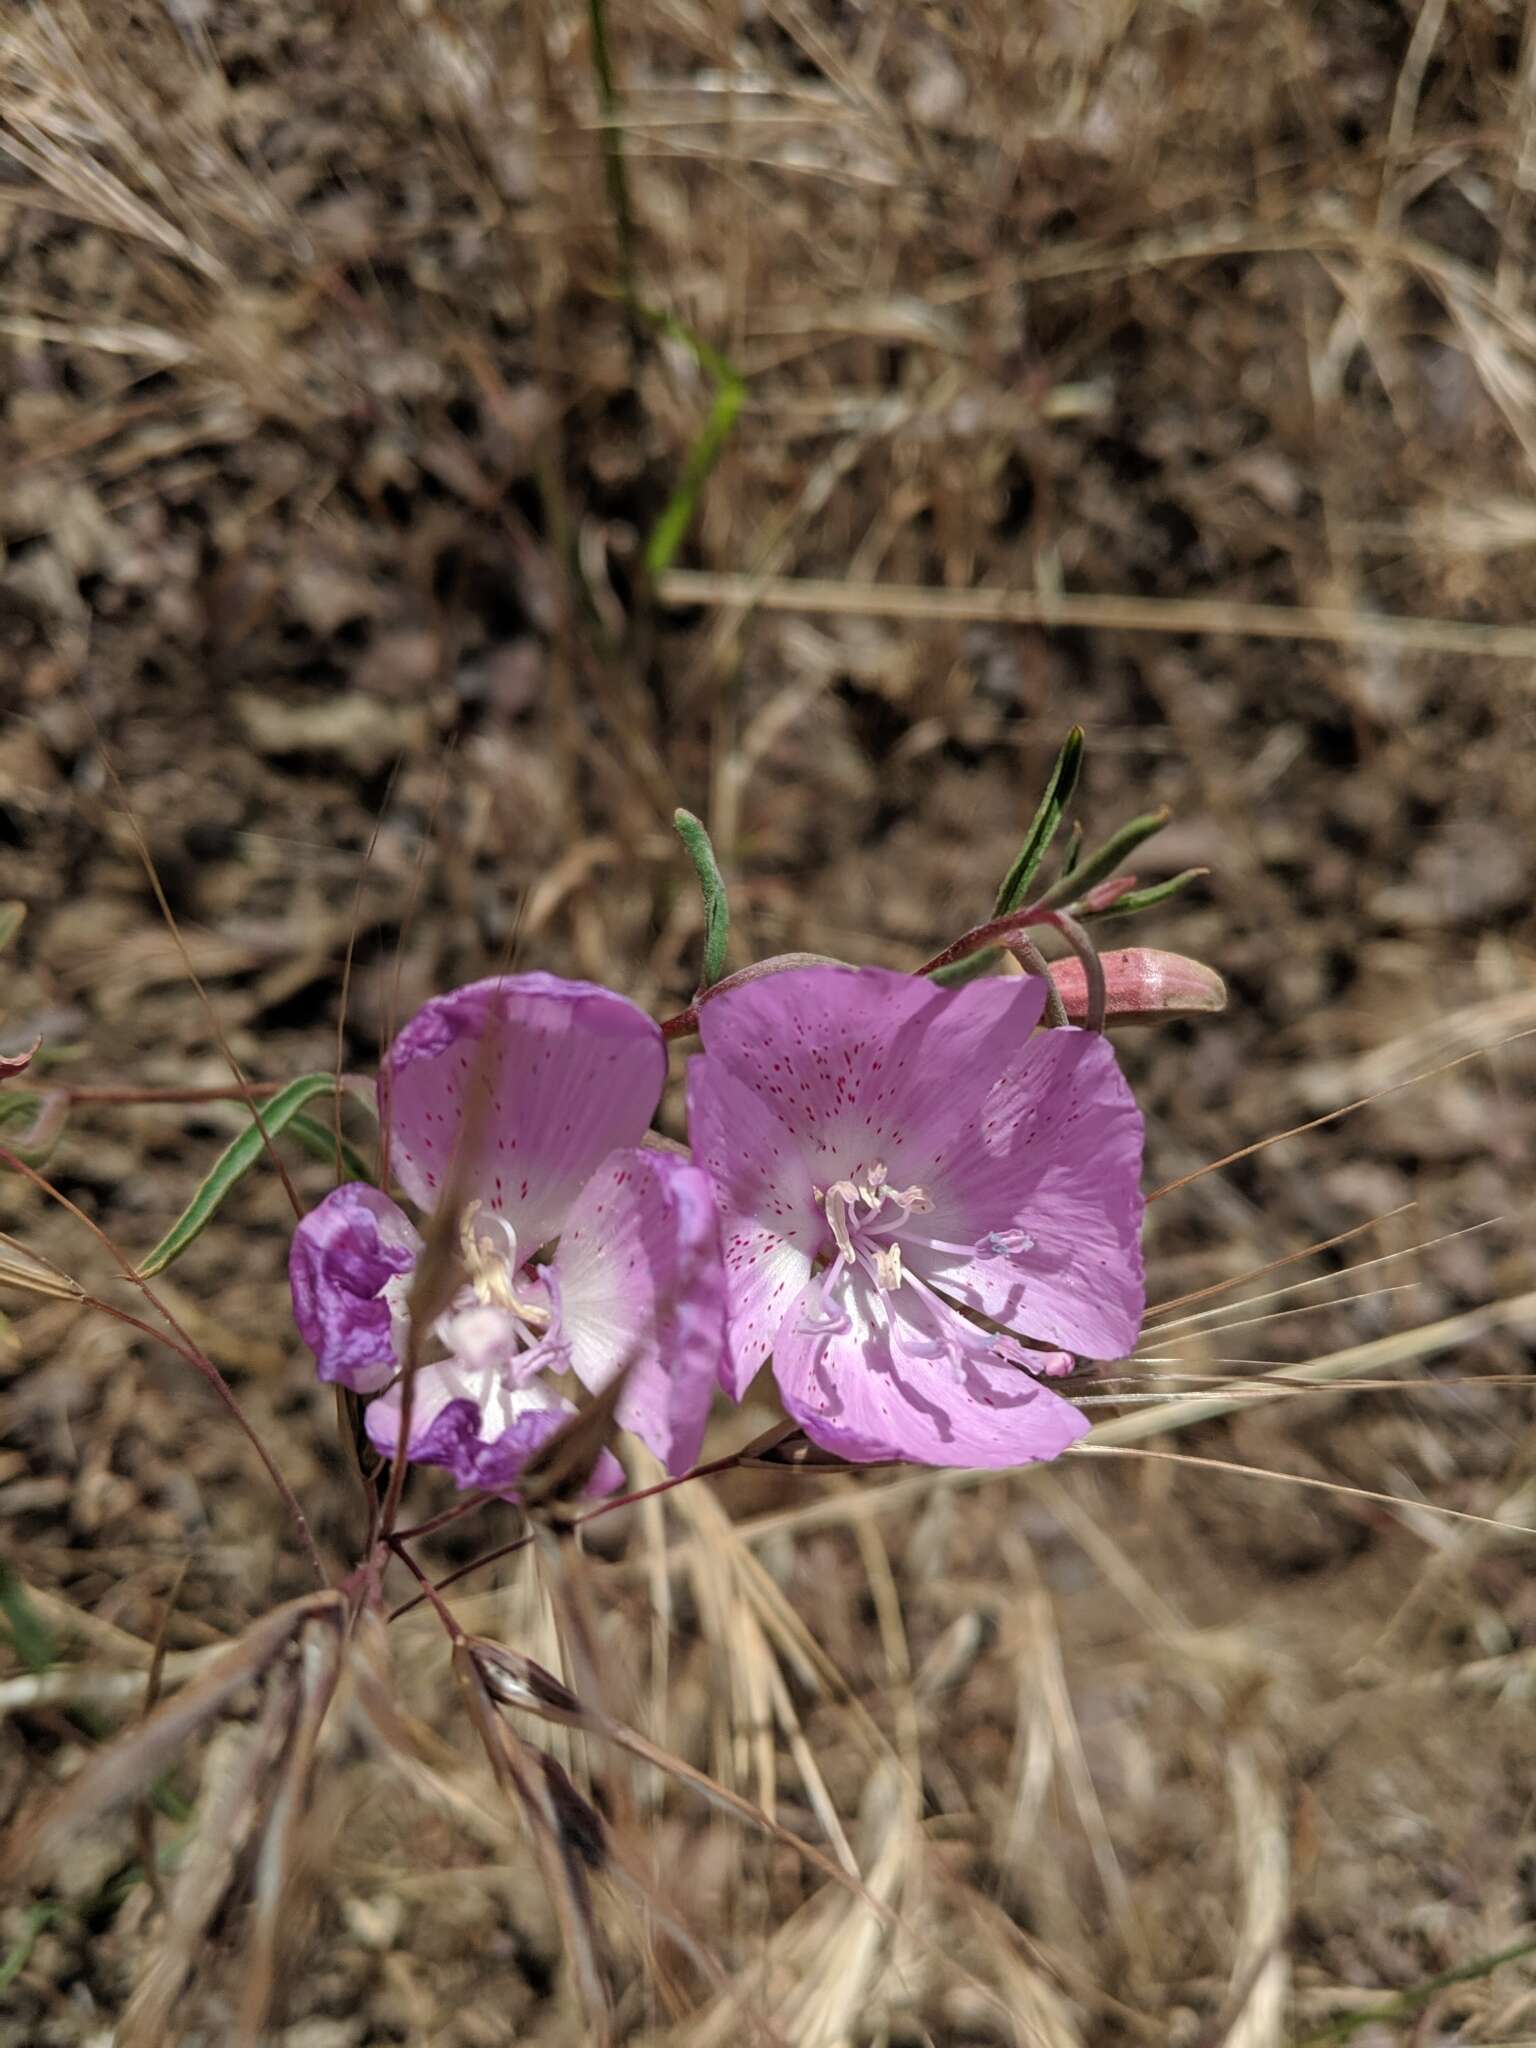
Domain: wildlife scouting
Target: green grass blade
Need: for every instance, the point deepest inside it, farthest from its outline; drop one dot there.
(232, 1165)
(676, 516)
(1043, 828)
(12, 917)
(717, 910)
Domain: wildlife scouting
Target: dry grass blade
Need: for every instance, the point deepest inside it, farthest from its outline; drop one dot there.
(1326, 1244)
(1400, 1501)
(237, 1777)
(1261, 1970)
(320, 1653)
(518, 1682)
(29, 1270)
(1378, 1354)
(821, 597)
(567, 1835)
(128, 1764)
(1333, 1116)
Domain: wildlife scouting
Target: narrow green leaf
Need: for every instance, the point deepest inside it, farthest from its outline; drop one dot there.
(1098, 866)
(13, 916)
(1043, 828)
(1073, 854)
(1143, 899)
(31, 1635)
(232, 1165)
(971, 968)
(676, 516)
(320, 1140)
(717, 911)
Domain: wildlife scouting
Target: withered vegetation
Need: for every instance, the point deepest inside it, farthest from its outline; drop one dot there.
(435, 448)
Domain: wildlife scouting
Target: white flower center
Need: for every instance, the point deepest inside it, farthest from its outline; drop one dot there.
(866, 1217)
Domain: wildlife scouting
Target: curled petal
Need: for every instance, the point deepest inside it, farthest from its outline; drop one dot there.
(640, 1285)
(538, 1079)
(481, 1431)
(343, 1257)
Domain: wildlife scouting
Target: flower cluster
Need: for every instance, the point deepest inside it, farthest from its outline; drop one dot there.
(912, 1201)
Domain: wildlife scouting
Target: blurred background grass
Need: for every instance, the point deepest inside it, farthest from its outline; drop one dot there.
(359, 366)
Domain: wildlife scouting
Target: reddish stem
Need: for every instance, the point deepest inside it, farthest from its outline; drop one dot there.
(728, 1463)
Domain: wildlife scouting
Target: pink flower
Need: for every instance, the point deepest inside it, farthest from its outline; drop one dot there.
(886, 1153)
(558, 1081)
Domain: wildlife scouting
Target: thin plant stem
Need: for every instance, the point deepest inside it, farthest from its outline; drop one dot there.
(713, 1469)
(147, 859)
(1033, 961)
(428, 1590)
(177, 1341)
(615, 170)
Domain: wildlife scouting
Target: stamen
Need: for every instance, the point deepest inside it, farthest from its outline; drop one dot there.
(840, 1198)
(888, 1274)
(493, 1267)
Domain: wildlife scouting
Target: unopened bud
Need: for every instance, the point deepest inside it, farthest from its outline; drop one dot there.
(1143, 986)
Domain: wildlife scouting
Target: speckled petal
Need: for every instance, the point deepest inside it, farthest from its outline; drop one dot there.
(639, 1283)
(554, 1075)
(866, 1397)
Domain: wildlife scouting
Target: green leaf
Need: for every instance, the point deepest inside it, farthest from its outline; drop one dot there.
(1043, 829)
(717, 911)
(13, 916)
(232, 1165)
(320, 1140)
(1099, 866)
(676, 516)
(1143, 899)
(971, 968)
(31, 1635)
(1074, 850)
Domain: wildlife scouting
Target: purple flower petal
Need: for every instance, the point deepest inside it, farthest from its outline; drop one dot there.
(769, 1225)
(1052, 1178)
(480, 1431)
(860, 1065)
(900, 1137)
(343, 1254)
(639, 1283)
(867, 1391)
(571, 1072)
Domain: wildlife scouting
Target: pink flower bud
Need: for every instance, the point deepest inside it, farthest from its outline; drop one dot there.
(1143, 987)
